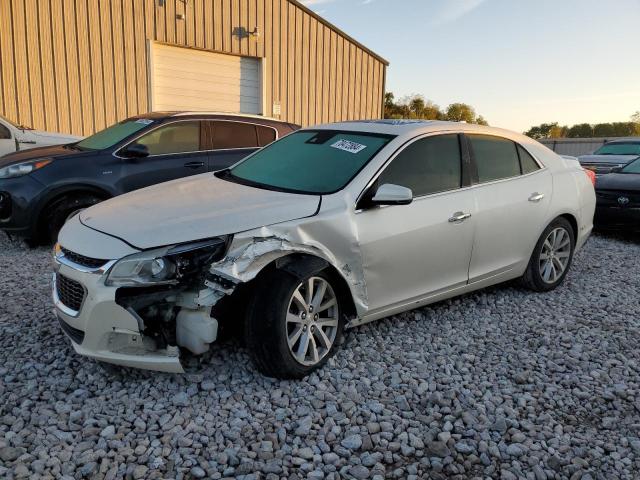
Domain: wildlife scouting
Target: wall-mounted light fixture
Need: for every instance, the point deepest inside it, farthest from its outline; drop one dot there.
(242, 32)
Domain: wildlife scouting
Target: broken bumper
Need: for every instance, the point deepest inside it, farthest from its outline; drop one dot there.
(100, 328)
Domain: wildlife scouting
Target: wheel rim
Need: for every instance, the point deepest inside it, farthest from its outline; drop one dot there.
(312, 321)
(555, 255)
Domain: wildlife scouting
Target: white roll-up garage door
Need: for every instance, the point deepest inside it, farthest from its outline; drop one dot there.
(188, 79)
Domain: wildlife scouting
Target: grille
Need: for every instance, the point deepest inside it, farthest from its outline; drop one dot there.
(73, 333)
(70, 292)
(612, 196)
(82, 260)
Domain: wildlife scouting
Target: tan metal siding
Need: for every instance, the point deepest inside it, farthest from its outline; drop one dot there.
(80, 65)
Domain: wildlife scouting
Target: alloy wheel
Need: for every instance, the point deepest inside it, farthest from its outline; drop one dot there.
(312, 321)
(555, 255)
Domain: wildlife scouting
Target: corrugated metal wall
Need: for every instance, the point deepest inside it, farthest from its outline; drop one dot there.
(80, 65)
(574, 146)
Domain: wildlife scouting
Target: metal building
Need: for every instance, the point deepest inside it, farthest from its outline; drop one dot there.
(78, 66)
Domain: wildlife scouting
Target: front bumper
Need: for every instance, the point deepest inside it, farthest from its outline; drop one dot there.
(100, 328)
(18, 199)
(617, 217)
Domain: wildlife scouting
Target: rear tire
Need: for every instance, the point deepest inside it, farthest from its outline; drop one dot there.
(280, 314)
(551, 258)
(60, 211)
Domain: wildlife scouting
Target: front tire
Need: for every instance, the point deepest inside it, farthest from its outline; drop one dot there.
(551, 257)
(61, 211)
(294, 324)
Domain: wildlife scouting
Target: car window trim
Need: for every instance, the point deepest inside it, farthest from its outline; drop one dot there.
(463, 165)
(133, 140)
(476, 180)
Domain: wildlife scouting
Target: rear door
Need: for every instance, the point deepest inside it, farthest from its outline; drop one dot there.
(176, 149)
(512, 197)
(234, 140)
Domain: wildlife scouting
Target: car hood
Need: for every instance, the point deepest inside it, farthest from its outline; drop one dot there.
(619, 181)
(194, 208)
(615, 159)
(52, 151)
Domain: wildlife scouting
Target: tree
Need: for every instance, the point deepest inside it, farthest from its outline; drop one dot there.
(581, 130)
(603, 130)
(417, 105)
(461, 112)
(541, 131)
(635, 118)
(481, 120)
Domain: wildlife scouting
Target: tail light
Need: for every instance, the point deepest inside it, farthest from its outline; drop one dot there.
(592, 176)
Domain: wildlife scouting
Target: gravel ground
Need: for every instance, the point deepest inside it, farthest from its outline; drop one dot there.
(502, 384)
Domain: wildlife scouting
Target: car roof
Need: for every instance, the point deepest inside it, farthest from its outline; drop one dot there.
(411, 128)
(624, 140)
(163, 115)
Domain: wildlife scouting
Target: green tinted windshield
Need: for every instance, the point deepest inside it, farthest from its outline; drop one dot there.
(633, 167)
(115, 133)
(311, 161)
(619, 148)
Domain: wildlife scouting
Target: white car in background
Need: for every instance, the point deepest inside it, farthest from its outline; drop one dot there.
(328, 228)
(18, 137)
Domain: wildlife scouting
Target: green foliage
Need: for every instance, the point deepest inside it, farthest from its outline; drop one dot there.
(586, 130)
(417, 107)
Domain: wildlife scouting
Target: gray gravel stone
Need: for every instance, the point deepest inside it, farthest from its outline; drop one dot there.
(499, 383)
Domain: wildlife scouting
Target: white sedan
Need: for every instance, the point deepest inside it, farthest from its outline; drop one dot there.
(18, 137)
(326, 229)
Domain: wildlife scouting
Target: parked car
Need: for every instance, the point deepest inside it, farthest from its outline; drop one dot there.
(618, 198)
(612, 155)
(41, 188)
(18, 137)
(329, 228)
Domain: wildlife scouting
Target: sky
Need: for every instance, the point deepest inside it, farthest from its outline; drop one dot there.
(517, 62)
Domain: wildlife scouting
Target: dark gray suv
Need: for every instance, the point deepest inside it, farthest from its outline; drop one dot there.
(42, 187)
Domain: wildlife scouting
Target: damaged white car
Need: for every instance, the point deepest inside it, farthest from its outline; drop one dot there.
(326, 229)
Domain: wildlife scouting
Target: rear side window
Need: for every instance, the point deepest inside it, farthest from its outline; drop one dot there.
(429, 165)
(178, 137)
(4, 132)
(266, 135)
(496, 157)
(227, 135)
(527, 162)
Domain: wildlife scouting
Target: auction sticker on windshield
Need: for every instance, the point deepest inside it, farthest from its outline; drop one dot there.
(347, 146)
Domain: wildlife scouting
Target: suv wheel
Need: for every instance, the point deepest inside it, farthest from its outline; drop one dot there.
(61, 211)
(551, 258)
(294, 324)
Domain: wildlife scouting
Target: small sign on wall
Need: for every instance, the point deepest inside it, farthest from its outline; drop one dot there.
(276, 109)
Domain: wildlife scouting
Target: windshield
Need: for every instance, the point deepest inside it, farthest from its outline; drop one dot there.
(21, 127)
(114, 134)
(633, 167)
(310, 161)
(619, 148)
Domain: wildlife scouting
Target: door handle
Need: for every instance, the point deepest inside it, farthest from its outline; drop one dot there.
(27, 142)
(536, 197)
(194, 165)
(459, 217)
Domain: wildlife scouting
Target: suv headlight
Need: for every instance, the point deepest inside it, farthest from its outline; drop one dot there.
(23, 168)
(167, 265)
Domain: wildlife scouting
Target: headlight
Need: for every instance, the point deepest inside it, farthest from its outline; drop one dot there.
(24, 168)
(166, 265)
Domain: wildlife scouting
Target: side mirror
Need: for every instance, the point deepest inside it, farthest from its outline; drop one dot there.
(617, 169)
(389, 194)
(135, 150)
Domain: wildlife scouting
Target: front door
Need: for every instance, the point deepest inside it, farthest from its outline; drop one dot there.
(176, 150)
(412, 251)
(513, 196)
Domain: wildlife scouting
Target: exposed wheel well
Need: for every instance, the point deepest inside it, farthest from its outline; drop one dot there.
(229, 306)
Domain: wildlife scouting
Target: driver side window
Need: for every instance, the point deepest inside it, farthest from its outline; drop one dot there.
(427, 166)
(178, 137)
(5, 133)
